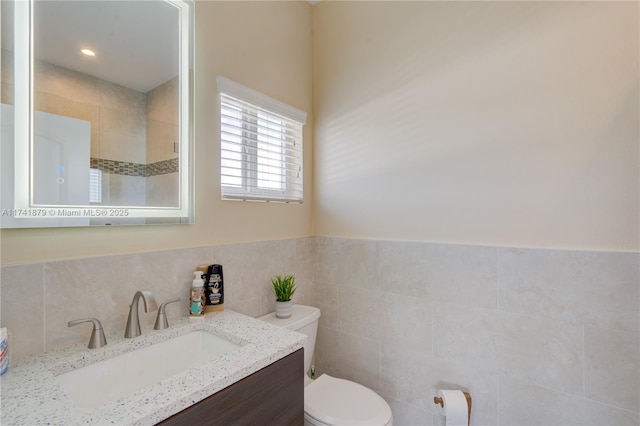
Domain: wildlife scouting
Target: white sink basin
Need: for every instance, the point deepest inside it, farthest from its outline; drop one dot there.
(105, 381)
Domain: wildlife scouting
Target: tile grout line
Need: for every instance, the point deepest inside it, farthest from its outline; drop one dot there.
(497, 279)
(584, 398)
(584, 362)
(497, 311)
(498, 402)
(44, 307)
(377, 260)
(433, 348)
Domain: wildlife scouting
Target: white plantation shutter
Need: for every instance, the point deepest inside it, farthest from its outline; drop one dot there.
(260, 146)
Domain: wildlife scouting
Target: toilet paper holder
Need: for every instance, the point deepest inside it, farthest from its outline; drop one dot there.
(437, 400)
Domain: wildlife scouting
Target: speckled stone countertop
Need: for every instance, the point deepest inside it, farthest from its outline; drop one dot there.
(30, 394)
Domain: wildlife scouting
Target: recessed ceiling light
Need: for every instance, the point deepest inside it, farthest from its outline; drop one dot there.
(88, 52)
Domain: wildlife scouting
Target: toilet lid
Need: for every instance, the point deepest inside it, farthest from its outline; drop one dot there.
(335, 401)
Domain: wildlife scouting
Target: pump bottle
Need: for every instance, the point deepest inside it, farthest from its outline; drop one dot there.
(196, 300)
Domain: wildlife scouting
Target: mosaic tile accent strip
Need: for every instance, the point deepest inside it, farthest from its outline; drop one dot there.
(126, 168)
(162, 167)
(115, 167)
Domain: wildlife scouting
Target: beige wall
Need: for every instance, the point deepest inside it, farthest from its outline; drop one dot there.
(508, 124)
(502, 123)
(263, 45)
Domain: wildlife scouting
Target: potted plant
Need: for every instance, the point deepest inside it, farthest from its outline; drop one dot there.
(283, 287)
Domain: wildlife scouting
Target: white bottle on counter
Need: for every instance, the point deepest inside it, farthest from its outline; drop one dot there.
(196, 300)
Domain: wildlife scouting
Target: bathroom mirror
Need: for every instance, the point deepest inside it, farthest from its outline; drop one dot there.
(96, 112)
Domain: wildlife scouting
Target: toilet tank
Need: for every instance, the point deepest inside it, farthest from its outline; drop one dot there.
(303, 319)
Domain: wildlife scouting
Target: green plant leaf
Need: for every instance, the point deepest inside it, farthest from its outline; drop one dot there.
(283, 287)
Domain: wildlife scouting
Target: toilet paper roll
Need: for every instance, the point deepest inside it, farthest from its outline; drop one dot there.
(454, 407)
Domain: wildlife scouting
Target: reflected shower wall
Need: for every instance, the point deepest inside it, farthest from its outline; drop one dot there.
(162, 136)
(132, 133)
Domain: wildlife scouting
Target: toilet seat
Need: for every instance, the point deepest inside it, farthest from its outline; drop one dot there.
(332, 401)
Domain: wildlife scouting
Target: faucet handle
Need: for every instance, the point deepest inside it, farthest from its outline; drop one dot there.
(97, 339)
(161, 318)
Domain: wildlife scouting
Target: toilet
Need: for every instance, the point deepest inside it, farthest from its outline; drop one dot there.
(329, 400)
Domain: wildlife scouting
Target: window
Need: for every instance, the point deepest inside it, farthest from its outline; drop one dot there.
(95, 186)
(260, 146)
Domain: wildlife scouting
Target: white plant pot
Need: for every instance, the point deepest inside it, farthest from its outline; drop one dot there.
(283, 309)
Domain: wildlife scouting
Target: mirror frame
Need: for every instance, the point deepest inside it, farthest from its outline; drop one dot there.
(23, 125)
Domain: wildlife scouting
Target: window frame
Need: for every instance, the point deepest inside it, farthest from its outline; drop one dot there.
(254, 113)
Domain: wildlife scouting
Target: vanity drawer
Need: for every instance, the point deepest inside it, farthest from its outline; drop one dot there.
(273, 395)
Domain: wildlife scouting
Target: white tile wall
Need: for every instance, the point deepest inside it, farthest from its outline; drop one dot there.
(597, 288)
(544, 337)
(22, 307)
(540, 337)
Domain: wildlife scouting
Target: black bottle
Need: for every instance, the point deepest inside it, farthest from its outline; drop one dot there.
(214, 288)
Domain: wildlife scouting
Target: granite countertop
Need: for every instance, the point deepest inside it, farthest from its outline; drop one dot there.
(30, 394)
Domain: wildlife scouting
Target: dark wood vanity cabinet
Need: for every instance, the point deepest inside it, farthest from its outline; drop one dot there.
(273, 396)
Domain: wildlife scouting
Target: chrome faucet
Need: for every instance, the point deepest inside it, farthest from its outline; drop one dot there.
(161, 319)
(97, 339)
(133, 322)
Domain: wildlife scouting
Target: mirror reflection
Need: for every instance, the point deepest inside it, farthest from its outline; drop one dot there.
(107, 124)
